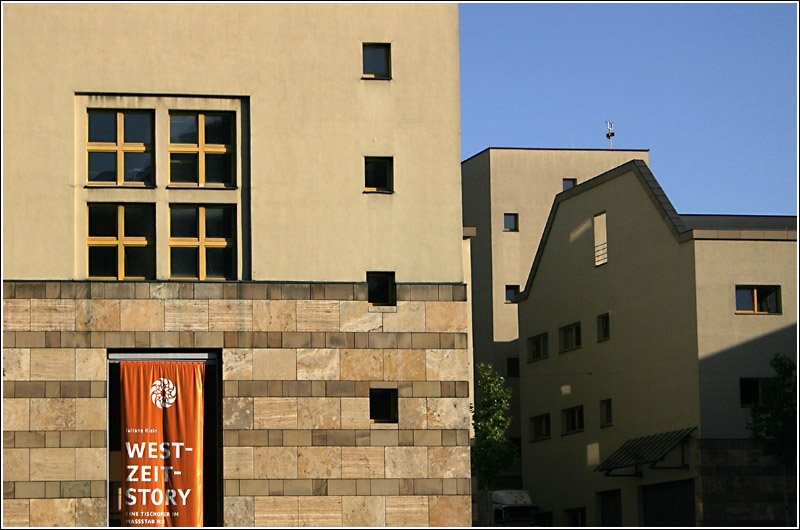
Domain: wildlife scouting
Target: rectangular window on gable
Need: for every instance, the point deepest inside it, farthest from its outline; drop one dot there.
(379, 174)
(751, 391)
(600, 240)
(606, 413)
(202, 149)
(511, 222)
(572, 420)
(603, 327)
(537, 347)
(569, 337)
(539, 428)
(568, 183)
(121, 241)
(512, 293)
(377, 61)
(758, 299)
(202, 242)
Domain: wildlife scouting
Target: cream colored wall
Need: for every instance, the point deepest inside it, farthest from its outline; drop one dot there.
(648, 367)
(525, 181)
(735, 346)
(313, 119)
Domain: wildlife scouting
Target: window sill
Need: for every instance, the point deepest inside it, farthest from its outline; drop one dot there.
(571, 432)
(197, 187)
(381, 308)
(378, 191)
(121, 186)
(506, 230)
(605, 339)
(538, 440)
(569, 350)
(373, 77)
(531, 361)
(605, 425)
(756, 313)
(385, 426)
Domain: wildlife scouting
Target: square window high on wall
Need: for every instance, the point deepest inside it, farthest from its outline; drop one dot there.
(377, 60)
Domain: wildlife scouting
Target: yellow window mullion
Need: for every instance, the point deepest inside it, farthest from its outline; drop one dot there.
(201, 143)
(755, 300)
(202, 243)
(120, 238)
(120, 151)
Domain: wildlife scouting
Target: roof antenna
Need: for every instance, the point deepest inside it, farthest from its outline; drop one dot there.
(610, 134)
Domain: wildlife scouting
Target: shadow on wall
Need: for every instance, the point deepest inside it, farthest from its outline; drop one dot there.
(740, 484)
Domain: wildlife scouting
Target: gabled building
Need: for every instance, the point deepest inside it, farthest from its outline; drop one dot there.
(271, 191)
(644, 337)
(507, 193)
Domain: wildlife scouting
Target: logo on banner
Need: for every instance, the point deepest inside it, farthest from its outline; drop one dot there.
(163, 393)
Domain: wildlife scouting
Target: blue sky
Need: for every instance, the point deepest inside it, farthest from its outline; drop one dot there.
(710, 89)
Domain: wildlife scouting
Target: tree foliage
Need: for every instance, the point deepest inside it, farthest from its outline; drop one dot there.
(774, 418)
(490, 417)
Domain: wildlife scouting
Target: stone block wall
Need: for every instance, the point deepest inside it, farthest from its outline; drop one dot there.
(743, 486)
(298, 362)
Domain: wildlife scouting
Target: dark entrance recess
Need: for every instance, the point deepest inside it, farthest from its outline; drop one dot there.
(212, 428)
(668, 504)
(610, 503)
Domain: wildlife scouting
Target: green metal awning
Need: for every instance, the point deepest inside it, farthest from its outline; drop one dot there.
(645, 450)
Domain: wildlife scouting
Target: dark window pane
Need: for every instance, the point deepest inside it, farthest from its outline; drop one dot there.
(378, 173)
(183, 262)
(383, 405)
(744, 299)
(139, 167)
(219, 169)
(577, 335)
(183, 222)
(102, 167)
(510, 222)
(219, 128)
(183, 167)
(139, 127)
(102, 126)
(220, 263)
(139, 220)
(512, 366)
(381, 288)
(103, 262)
(140, 262)
(103, 220)
(219, 222)
(767, 299)
(569, 183)
(183, 128)
(512, 292)
(377, 60)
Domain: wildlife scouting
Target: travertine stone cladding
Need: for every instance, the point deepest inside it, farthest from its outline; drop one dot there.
(298, 363)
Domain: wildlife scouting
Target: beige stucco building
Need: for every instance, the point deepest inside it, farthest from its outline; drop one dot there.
(644, 334)
(220, 182)
(509, 185)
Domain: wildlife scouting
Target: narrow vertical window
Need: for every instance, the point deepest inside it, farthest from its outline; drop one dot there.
(379, 174)
(381, 288)
(121, 241)
(539, 427)
(377, 61)
(120, 147)
(511, 222)
(512, 366)
(600, 240)
(606, 415)
(512, 293)
(603, 327)
(568, 183)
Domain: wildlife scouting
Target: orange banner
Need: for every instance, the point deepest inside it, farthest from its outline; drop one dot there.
(162, 443)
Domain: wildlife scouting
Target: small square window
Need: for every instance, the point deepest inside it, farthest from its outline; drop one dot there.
(539, 427)
(121, 241)
(606, 416)
(603, 327)
(758, 299)
(510, 222)
(569, 337)
(512, 366)
(377, 61)
(381, 288)
(751, 391)
(569, 183)
(572, 420)
(537, 347)
(383, 405)
(512, 293)
(379, 173)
